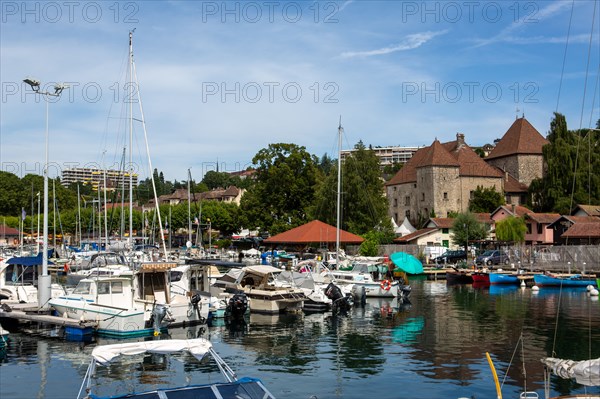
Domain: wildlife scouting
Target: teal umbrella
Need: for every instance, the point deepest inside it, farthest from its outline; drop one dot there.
(407, 263)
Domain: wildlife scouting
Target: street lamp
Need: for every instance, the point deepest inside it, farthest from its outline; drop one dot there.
(44, 283)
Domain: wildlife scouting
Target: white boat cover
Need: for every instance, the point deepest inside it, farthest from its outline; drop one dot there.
(262, 269)
(585, 372)
(197, 347)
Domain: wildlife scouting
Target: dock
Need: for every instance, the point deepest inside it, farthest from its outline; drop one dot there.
(30, 313)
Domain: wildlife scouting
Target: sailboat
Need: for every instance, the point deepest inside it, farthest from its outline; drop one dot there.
(141, 300)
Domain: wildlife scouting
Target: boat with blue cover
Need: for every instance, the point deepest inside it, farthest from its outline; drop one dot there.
(200, 348)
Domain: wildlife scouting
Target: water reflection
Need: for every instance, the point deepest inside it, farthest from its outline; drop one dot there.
(435, 344)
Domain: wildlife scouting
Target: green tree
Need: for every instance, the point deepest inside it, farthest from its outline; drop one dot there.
(286, 175)
(485, 200)
(363, 206)
(511, 229)
(467, 227)
(214, 179)
(573, 169)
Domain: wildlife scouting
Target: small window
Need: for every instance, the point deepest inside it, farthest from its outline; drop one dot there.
(407, 200)
(117, 287)
(528, 228)
(395, 188)
(445, 196)
(395, 201)
(422, 196)
(407, 214)
(396, 217)
(471, 194)
(415, 185)
(103, 287)
(444, 231)
(539, 228)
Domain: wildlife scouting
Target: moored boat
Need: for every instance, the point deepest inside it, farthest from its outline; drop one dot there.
(481, 278)
(459, 277)
(504, 278)
(575, 280)
(232, 387)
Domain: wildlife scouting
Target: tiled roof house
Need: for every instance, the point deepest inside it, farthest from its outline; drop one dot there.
(439, 178)
(519, 152)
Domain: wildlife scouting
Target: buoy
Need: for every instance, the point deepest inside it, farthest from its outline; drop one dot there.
(589, 287)
(522, 284)
(594, 292)
(535, 288)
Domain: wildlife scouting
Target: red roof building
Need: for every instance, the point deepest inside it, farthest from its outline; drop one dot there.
(519, 152)
(315, 232)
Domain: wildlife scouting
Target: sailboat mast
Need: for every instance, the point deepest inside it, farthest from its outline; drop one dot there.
(131, 139)
(53, 215)
(105, 212)
(339, 190)
(189, 207)
(78, 229)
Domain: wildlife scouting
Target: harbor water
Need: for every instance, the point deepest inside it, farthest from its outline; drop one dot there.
(432, 348)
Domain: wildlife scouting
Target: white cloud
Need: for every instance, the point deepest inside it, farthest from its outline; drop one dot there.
(410, 42)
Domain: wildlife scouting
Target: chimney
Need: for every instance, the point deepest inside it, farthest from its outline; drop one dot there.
(460, 140)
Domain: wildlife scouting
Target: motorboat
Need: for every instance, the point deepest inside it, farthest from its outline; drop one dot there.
(362, 278)
(139, 302)
(19, 278)
(231, 387)
(264, 296)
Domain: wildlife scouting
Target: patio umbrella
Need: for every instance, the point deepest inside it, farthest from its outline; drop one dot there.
(407, 263)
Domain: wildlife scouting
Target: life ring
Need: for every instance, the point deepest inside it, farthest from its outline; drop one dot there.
(386, 285)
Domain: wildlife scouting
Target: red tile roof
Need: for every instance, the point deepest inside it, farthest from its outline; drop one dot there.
(591, 210)
(442, 223)
(436, 155)
(470, 163)
(416, 234)
(517, 210)
(8, 231)
(583, 230)
(520, 138)
(313, 232)
(512, 185)
(544, 218)
(576, 219)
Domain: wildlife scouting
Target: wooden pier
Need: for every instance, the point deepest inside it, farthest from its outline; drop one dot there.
(30, 313)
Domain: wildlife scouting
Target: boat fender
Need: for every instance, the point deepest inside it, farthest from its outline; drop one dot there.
(386, 285)
(66, 268)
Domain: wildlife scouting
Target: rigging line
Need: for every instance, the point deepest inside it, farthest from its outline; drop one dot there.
(587, 68)
(562, 73)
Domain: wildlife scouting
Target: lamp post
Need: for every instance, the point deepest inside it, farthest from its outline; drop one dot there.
(37, 240)
(45, 279)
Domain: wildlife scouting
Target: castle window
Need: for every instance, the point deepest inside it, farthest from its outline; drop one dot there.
(422, 196)
(407, 214)
(396, 217)
(445, 196)
(471, 194)
(407, 200)
(395, 201)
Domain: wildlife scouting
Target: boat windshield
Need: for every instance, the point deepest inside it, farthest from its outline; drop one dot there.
(83, 288)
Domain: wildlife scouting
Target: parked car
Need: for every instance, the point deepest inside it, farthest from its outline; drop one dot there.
(451, 257)
(492, 257)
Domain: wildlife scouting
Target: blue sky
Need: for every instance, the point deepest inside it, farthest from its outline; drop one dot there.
(221, 80)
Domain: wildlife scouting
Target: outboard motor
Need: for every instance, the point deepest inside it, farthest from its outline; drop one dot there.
(340, 303)
(196, 301)
(237, 306)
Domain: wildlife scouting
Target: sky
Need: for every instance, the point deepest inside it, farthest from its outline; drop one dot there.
(219, 81)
